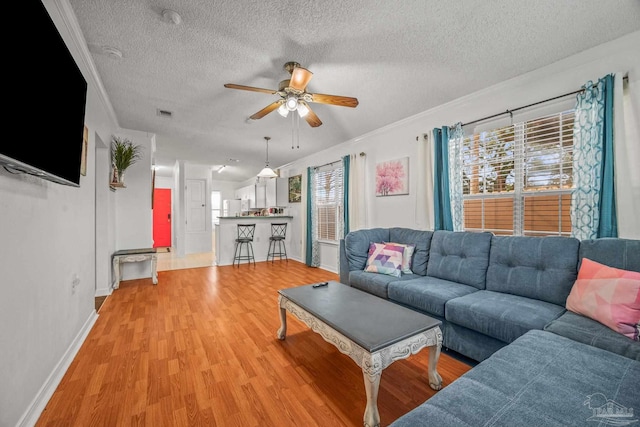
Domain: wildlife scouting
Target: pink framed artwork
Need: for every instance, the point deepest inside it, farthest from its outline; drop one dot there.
(392, 177)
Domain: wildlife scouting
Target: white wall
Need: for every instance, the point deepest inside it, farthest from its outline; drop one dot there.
(134, 219)
(399, 139)
(48, 234)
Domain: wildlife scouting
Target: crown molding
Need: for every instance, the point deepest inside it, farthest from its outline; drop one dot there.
(73, 27)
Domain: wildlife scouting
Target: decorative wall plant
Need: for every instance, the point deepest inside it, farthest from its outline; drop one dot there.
(124, 153)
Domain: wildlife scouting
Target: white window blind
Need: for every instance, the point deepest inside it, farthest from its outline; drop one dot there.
(517, 179)
(329, 199)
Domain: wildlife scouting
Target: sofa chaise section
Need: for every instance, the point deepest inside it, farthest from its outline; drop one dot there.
(540, 379)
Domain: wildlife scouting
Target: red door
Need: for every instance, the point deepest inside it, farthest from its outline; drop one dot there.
(161, 217)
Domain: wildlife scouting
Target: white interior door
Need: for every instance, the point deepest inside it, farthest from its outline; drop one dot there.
(196, 206)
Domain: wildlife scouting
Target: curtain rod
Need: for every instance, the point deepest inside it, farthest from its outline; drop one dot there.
(625, 78)
(327, 164)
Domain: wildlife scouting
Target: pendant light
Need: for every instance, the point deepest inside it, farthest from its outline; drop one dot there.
(267, 172)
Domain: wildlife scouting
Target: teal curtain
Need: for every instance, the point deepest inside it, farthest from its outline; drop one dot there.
(443, 219)
(312, 254)
(593, 206)
(346, 164)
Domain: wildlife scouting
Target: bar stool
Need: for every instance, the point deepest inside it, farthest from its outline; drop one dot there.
(245, 238)
(278, 233)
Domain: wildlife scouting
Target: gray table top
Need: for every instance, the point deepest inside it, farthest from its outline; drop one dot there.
(371, 322)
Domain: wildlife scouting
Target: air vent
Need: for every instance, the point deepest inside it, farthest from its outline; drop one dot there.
(165, 113)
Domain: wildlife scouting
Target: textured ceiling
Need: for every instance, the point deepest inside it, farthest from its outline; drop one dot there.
(398, 58)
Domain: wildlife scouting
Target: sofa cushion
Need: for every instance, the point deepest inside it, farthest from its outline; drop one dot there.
(542, 268)
(588, 331)
(356, 245)
(541, 379)
(428, 294)
(501, 316)
(407, 256)
(385, 258)
(614, 252)
(375, 283)
(609, 295)
(422, 241)
(460, 257)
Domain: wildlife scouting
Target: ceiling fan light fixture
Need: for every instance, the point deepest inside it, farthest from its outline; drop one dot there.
(300, 78)
(291, 103)
(283, 111)
(303, 110)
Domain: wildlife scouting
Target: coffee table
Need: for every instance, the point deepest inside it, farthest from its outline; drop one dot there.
(370, 330)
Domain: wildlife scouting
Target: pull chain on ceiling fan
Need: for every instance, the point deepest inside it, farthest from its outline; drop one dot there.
(294, 97)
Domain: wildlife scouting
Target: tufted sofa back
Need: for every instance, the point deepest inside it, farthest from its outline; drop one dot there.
(460, 256)
(356, 245)
(543, 268)
(614, 252)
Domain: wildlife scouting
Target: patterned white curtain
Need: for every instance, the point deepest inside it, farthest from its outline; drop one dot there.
(588, 134)
(455, 176)
(313, 249)
(357, 191)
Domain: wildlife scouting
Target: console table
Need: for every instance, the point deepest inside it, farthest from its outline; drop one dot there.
(134, 255)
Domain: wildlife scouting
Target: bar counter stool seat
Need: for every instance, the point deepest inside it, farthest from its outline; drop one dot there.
(276, 242)
(244, 239)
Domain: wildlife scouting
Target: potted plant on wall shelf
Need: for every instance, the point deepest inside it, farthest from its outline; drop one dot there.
(124, 153)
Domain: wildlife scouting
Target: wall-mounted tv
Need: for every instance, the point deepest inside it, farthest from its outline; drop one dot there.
(47, 96)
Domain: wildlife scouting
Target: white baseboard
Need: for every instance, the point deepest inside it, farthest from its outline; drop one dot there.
(33, 412)
(101, 292)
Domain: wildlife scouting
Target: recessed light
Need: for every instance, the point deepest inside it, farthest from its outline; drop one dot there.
(171, 16)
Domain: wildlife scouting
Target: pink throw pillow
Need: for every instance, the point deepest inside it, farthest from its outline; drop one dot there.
(608, 295)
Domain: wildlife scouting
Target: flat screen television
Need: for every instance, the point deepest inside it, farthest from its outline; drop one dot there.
(47, 97)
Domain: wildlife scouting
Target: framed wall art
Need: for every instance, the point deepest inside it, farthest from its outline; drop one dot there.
(85, 148)
(295, 189)
(392, 177)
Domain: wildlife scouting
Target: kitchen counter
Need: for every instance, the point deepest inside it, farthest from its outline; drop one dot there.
(256, 217)
(226, 233)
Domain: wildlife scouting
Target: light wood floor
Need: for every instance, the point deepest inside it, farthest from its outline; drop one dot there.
(200, 349)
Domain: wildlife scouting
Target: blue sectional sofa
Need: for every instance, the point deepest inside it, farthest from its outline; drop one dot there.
(501, 300)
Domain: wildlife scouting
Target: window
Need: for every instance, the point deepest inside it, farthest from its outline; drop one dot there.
(215, 207)
(517, 180)
(328, 203)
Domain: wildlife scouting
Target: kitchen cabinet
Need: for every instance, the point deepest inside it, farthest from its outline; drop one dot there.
(247, 193)
(261, 196)
(277, 192)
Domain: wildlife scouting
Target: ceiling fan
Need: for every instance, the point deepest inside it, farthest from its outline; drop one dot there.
(294, 97)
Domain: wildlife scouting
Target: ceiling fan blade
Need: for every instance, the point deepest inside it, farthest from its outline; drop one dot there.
(311, 117)
(249, 88)
(300, 78)
(266, 110)
(343, 101)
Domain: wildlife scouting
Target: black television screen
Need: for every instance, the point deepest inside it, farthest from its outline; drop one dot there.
(47, 96)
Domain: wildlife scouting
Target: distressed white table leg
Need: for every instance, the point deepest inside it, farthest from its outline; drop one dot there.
(154, 269)
(282, 332)
(435, 380)
(371, 386)
(116, 272)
